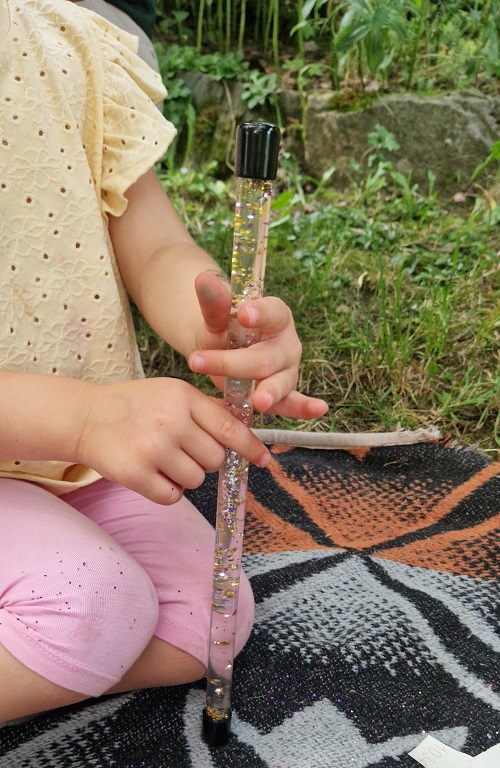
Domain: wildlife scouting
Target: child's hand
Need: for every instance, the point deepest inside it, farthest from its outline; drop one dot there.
(158, 436)
(273, 362)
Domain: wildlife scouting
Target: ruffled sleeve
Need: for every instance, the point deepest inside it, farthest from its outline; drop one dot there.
(135, 133)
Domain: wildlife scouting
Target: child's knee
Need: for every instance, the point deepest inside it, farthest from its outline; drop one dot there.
(122, 614)
(83, 624)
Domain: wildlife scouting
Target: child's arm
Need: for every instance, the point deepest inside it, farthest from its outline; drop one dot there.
(156, 436)
(160, 435)
(42, 416)
(166, 275)
(159, 262)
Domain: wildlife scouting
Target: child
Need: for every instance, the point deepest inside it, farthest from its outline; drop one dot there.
(105, 568)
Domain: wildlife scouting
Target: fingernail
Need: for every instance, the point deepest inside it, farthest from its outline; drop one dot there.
(267, 402)
(266, 458)
(197, 363)
(253, 315)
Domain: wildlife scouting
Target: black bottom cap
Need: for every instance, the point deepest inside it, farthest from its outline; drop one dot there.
(216, 732)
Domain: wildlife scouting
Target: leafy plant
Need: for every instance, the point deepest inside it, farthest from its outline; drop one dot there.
(382, 141)
(259, 89)
(198, 185)
(374, 28)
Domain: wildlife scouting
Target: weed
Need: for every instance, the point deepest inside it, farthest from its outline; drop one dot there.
(259, 90)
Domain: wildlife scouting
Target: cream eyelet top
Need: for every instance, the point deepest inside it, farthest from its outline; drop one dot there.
(78, 126)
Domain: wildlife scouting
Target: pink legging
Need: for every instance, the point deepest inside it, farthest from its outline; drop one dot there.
(87, 579)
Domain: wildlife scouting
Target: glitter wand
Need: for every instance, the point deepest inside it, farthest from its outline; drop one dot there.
(257, 146)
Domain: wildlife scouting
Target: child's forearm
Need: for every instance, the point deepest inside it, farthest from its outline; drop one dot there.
(42, 416)
(159, 262)
(166, 296)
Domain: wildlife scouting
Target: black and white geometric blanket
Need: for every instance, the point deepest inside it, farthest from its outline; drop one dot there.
(376, 576)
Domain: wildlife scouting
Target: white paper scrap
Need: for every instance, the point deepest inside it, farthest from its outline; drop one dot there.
(431, 753)
(488, 759)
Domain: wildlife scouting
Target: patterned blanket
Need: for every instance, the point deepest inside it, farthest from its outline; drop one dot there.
(376, 576)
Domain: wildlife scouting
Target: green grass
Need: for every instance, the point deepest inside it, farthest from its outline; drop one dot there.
(396, 297)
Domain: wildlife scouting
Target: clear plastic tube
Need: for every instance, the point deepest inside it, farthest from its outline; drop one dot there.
(251, 223)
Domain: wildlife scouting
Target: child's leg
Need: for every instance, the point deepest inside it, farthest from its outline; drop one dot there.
(175, 546)
(24, 692)
(76, 610)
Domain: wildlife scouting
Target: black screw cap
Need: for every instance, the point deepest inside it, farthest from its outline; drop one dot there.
(257, 149)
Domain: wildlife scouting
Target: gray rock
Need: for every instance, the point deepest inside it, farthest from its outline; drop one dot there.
(290, 104)
(448, 134)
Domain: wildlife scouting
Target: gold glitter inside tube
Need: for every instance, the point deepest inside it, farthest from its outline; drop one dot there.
(251, 223)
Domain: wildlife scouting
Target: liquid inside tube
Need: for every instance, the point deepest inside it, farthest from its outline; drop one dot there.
(247, 277)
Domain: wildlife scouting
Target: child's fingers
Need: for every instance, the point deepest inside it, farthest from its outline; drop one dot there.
(153, 484)
(215, 301)
(272, 390)
(294, 405)
(160, 435)
(257, 362)
(229, 432)
(270, 315)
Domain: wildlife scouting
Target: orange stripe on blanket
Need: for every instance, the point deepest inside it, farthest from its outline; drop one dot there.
(281, 448)
(359, 514)
(358, 453)
(354, 513)
(461, 492)
(469, 552)
(266, 532)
